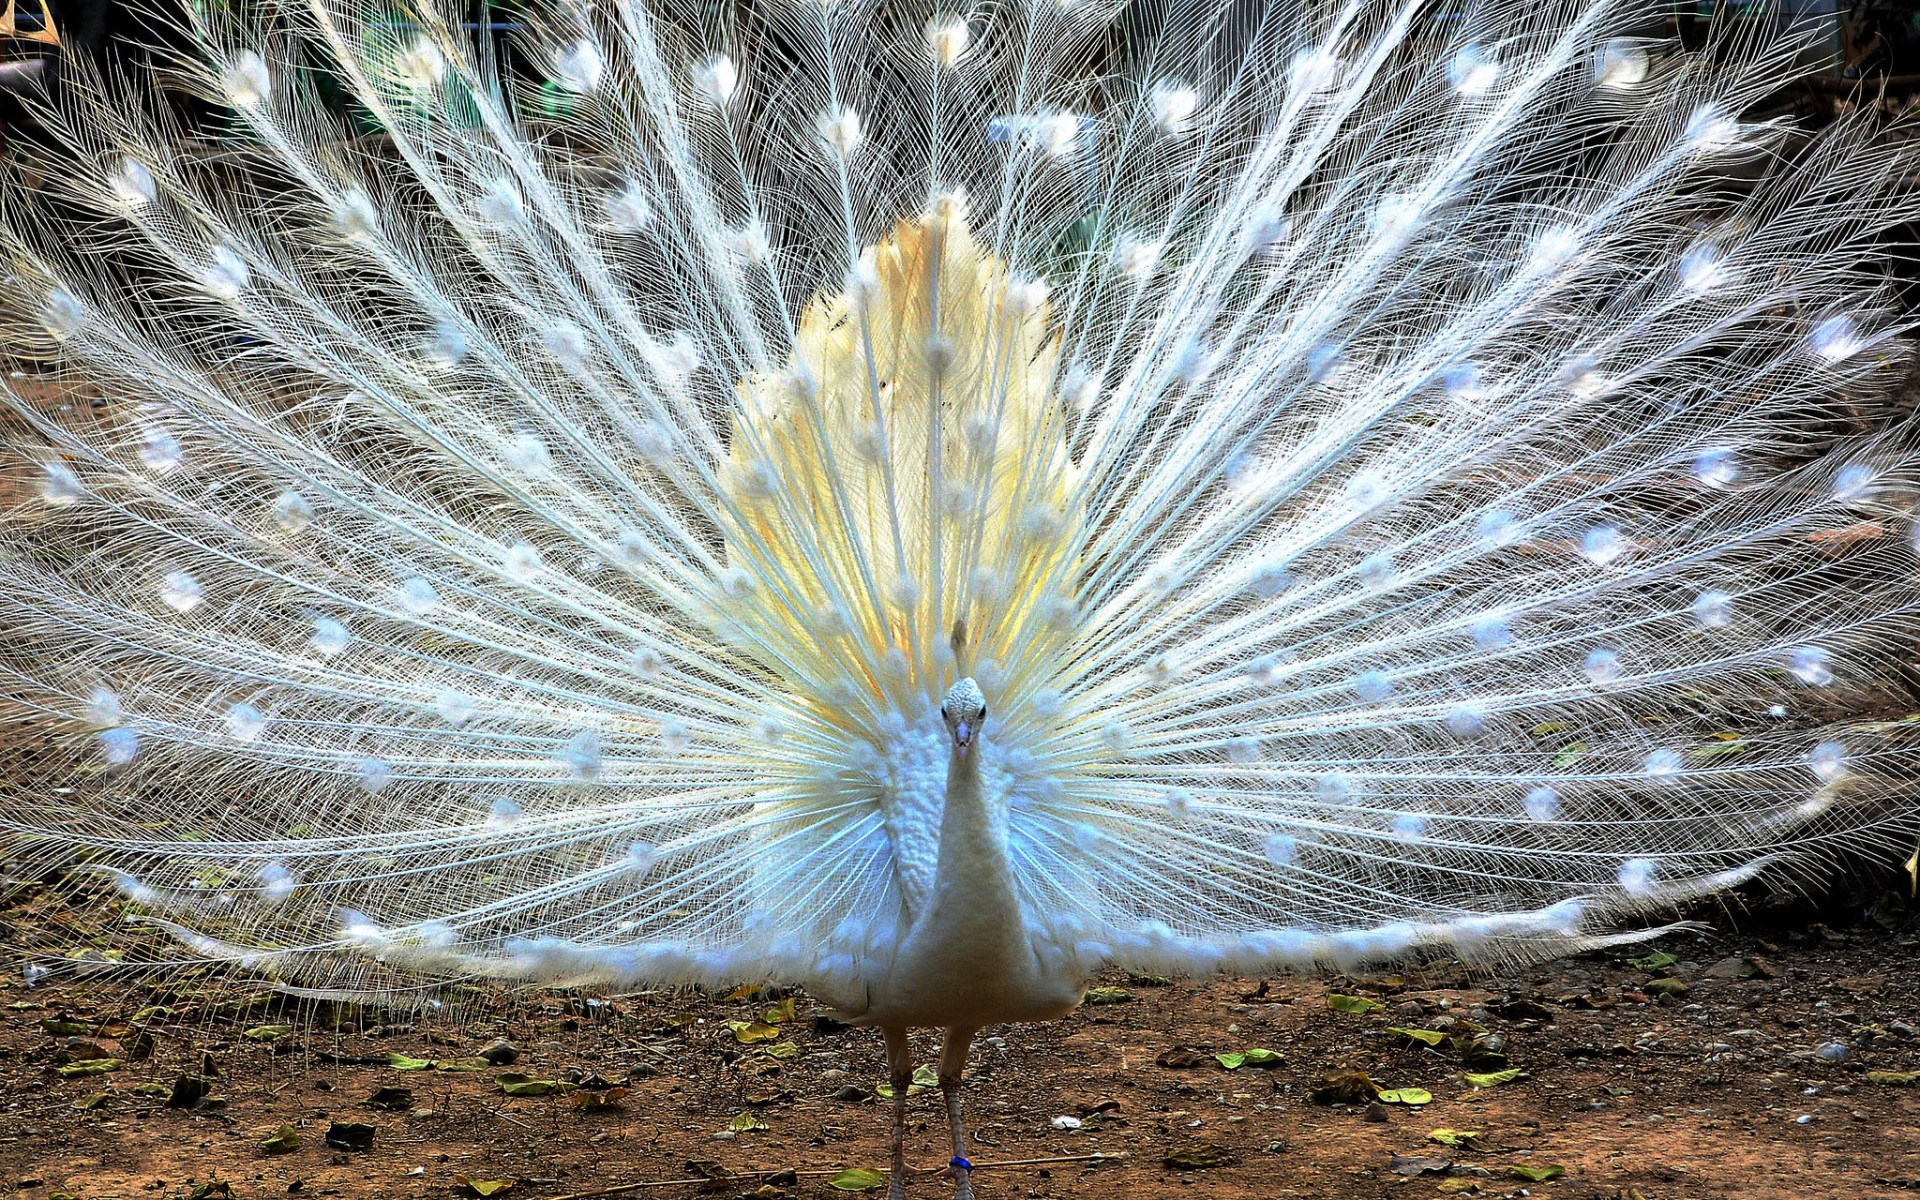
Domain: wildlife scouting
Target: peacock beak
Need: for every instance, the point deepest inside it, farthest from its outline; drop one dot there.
(962, 734)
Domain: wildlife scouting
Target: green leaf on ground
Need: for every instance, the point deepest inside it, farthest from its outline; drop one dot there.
(284, 1140)
(746, 1123)
(1107, 995)
(401, 1062)
(1653, 962)
(748, 1033)
(1453, 1137)
(857, 1179)
(923, 1078)
(88, 1066)
(1406, 1095)
(1894, 1078)
(1494, 1078)
(1539, 1174)
(1426, 1037)
(1352, 1004)
(524, 1085)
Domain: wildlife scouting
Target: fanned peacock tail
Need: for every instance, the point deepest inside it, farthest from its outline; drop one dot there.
(1411, 477)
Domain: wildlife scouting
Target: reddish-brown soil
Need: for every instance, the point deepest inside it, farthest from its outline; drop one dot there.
(1719, 1089)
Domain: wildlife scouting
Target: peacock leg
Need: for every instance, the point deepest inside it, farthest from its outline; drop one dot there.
(900, 1074)
(953, 1061)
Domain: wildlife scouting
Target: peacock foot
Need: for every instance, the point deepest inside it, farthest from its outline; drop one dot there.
(962, 1179)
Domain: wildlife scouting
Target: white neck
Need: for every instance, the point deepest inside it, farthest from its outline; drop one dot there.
(973, 881)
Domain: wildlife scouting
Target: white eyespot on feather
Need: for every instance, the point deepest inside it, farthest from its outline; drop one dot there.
(1853, 485)
(839, 128)
(63, 314)
(1136, 257)
(245, 723)
(226, 274)
(521, 562)
(446, 348)
(159, 450)
(1333, 788)
(1026, 295)
(1377, 571)
(291, 512)
(59, 486)
(566, 343)
(1325, 361)
(1828, 761)
(1243, 750)
(1811, 665)
(1492, 632)
(104, 708)
(1543, 804)
(1584, 380)
(180, 591)
(1179, 802)
(416, 597)
(421, 66)
(277, 883)
(948, 39)
(246, 80)
(1603, 545)
(373, 775)
(641, 858)
(1269, 580)
(1373, 686)
(119, 746)
(674, 736)
(1621, 64)
(1554, 248)
(1713, 609)
(750, 243)
(330, 637)
(454, 707)
(132, 183)
(1837, 338)
(1467, 721)
(499, 204)
(1603, 667)
(1703, 268)
(717, 79)
(1409, 828)
(647, 662)
(1717, 467)
(579, 67)
(1313, 70)
(354, 217)
(1080, 388)
(1472, 71)
(1663, 765)
(1398, 217)
(627, 209)
(1465, 383)
(503, 814)
(1173, 105)
(1497, 529)
(1280, 849)
(583, 756)
(1636, 876)
(1710, 128)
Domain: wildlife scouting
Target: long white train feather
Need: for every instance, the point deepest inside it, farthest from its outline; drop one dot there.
(1401, 464)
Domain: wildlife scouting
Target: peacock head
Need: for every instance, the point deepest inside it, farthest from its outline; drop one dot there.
(965, 711)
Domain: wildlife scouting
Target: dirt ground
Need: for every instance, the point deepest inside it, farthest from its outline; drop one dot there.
(1777, 1060)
